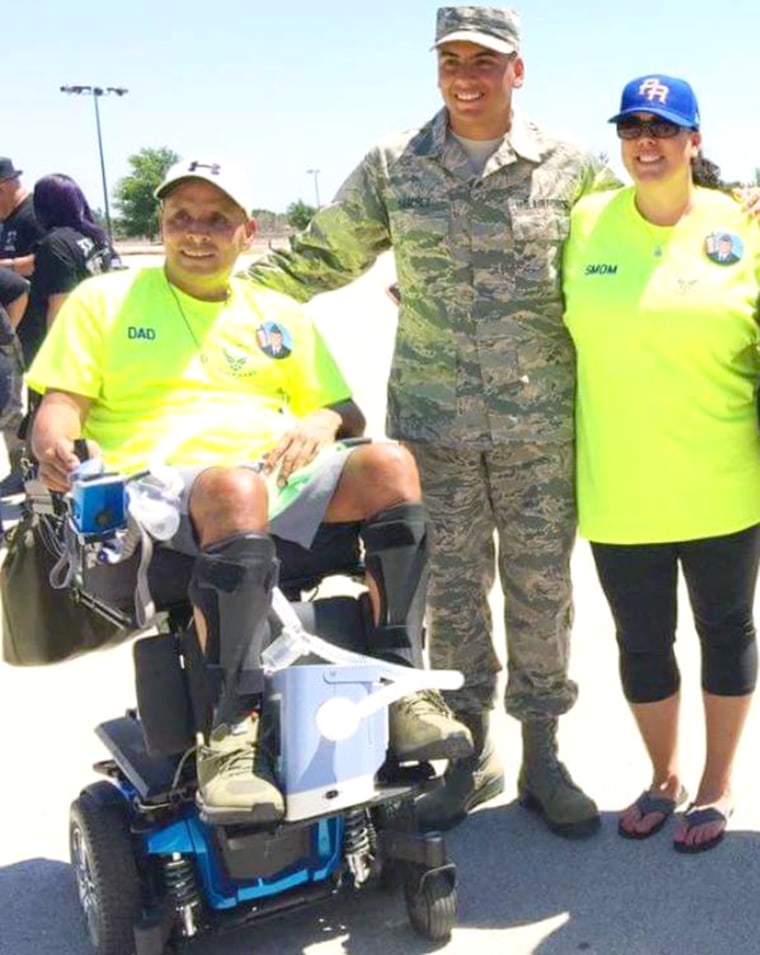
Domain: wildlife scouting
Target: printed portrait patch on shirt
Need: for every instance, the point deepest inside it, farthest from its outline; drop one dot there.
(274, 339)
(724, 248)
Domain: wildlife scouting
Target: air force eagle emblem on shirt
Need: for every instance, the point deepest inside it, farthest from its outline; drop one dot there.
(236, 363)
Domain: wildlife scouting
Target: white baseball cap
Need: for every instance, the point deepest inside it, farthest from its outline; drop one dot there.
(228, 176)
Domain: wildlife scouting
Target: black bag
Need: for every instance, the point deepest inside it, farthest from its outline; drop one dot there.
(42, 625)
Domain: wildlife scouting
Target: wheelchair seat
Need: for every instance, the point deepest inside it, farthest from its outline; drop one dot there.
(335, 551)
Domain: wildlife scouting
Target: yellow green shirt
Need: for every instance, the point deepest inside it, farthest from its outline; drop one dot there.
(184, 381)
(667, 339)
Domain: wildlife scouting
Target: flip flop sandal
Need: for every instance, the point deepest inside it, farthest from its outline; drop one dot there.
(648, 803)
(694, 818)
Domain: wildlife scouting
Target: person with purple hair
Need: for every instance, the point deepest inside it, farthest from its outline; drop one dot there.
(74, 248)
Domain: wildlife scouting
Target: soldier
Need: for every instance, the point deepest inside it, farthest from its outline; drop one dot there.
(475, 205)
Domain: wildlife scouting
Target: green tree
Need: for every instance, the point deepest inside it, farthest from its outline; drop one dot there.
(270, 223)
(134, 193)
(299, 214)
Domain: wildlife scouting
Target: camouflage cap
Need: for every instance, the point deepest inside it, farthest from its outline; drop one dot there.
(496, 28)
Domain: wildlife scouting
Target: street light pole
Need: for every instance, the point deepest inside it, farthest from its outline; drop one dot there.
(315, 173)
(96, 92)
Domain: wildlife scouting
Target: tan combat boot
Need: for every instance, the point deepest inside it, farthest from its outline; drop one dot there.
(421, 726)
(235, 776)
(546, 786)
(467, 782)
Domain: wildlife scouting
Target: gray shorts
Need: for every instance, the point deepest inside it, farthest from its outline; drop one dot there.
(293, 516)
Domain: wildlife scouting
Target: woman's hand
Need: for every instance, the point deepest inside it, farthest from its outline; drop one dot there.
(749, 197)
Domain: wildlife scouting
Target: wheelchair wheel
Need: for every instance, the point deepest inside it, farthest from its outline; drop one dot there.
(431, 901)
(105, 869)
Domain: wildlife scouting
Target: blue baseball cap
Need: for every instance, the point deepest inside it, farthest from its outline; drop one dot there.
(663, 96)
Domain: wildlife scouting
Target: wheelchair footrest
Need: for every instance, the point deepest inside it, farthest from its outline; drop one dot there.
(152, 777)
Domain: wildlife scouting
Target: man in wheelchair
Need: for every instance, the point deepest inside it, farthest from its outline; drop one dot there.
(175, 365)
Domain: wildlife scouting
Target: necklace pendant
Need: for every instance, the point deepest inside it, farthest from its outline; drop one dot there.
(658, 251)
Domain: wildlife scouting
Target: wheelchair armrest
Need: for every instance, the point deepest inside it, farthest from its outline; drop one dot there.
(358, 439)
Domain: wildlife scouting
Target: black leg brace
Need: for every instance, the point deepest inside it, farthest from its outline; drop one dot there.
(397, 554)
(232, 587)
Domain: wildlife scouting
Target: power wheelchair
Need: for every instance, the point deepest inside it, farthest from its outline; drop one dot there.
(152, 873)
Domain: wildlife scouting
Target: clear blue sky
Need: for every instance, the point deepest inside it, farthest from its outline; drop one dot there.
(299, 84)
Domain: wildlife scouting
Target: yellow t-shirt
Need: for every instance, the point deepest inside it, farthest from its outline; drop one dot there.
(183, 381)
(666, 334)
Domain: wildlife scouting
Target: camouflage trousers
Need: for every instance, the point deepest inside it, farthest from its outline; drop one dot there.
(524, 495)
(11, 392)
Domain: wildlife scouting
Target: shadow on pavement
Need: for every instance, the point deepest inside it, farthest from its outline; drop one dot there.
(608, 896)
(618, 897)
(41, 916)
(366, 923)
(40, 910)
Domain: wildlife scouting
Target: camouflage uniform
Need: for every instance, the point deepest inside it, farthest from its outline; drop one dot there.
(482, 382)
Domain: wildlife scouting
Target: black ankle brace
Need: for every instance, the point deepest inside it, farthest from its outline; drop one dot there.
(397, 553)
(231, 586)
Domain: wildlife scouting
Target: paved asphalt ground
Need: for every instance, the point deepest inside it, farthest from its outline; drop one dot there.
(521, 889)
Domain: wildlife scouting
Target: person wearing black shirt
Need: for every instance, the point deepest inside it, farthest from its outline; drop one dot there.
(20, 233)
(19, 229)
(64, 258)
(14, 295)
(73, 248)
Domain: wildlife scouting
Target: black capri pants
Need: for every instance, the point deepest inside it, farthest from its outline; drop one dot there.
(640, 583)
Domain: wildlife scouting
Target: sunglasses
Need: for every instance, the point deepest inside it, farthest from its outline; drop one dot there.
(658, 128)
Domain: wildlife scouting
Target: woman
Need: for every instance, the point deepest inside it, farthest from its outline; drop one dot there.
(74, 248)
(661, 282)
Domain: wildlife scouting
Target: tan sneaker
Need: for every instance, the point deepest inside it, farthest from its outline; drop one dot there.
(235, 776)
(421, 726)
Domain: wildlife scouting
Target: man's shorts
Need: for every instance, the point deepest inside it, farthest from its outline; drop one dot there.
(295, 511)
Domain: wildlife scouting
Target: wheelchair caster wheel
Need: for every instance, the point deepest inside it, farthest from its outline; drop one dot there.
(106, 873)
(431, 901)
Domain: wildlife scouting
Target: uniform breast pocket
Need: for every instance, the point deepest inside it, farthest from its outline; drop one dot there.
(538, 235)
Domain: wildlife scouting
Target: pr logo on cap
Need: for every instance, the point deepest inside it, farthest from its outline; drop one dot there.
(652, 88)
(668, 97)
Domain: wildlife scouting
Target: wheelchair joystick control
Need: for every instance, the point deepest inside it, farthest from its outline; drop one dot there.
(98, 499)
